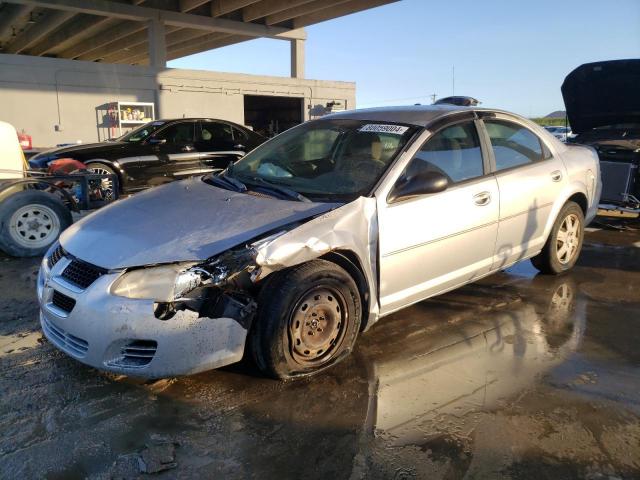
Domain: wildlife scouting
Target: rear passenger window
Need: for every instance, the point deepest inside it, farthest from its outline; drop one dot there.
(453, 151)
(512, 144)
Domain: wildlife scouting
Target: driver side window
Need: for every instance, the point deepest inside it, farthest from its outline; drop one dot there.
(454, 151)
(178, 133)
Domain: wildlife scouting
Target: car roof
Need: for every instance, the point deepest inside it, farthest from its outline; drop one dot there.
(191, 119)
(419, 115)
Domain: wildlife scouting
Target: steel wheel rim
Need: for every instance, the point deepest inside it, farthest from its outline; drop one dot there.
(34, 226)
(317, 325)
(105, 184)
(568, 239)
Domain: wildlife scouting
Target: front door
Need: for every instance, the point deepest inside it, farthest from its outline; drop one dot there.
(432, 243)
(168, 154)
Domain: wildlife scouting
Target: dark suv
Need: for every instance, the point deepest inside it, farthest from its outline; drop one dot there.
(161, 151)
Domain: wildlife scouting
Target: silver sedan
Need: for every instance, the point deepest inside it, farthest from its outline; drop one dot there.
(311, 238)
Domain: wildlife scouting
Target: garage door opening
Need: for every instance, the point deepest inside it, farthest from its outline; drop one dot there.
(269, 116)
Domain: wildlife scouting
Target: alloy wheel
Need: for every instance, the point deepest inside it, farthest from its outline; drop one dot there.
(106, 185)
(568, 239)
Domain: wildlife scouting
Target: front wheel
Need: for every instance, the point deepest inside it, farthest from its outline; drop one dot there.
(308, 320)
(564, 244)
(106, 184)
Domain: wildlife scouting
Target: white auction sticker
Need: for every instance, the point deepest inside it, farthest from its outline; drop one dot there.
(379, 128)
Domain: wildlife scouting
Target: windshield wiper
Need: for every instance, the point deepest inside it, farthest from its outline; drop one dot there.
(279, 188)
(226, 181)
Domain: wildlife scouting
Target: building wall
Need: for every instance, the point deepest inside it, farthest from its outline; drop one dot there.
(61, 101)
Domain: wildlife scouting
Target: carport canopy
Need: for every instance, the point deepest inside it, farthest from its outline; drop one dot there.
(151, 32)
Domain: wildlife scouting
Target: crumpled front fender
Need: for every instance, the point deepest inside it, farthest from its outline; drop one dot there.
(352, 227)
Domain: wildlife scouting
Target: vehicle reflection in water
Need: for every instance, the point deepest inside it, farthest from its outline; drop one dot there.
(409, 383)
(477, 362)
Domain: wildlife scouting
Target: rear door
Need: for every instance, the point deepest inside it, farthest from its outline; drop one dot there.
(530, 179)
(216, 144)
(432, 243)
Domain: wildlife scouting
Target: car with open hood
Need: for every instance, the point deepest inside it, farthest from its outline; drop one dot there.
(159, 151)
(311, 238)
(603, 106)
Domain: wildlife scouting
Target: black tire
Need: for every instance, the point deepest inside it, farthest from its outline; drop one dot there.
(549, 259)
(308, 319)
(15, 238)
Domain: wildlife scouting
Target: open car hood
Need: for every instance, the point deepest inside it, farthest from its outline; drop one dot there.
(177, 222)
(602, 93)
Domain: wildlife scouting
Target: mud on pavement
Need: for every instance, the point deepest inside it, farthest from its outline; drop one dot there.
(516, 376)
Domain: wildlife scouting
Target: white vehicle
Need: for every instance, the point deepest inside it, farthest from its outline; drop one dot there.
(561, 133)
(313, 237)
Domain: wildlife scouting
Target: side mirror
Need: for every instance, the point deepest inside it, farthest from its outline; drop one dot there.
(158, 141)
(422, 183)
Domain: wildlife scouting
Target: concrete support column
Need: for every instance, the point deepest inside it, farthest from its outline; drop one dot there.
(297, 58)
(157, 44)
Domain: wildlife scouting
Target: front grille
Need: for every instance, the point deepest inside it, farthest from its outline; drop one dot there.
(63, 302)
(81, 273)
(63, 340)
(55, 256)
(137, 353)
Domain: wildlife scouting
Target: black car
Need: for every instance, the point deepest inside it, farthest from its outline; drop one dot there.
(160, 151)
(603, 106)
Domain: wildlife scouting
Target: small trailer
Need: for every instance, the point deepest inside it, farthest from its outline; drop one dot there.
(34, 207)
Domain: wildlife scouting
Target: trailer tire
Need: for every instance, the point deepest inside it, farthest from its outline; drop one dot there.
(30, 221)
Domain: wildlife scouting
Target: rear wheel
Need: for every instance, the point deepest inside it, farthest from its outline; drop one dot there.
(30, 221)
(564, 244)
(308, 320)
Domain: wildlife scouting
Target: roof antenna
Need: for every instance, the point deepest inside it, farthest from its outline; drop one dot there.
(453, 80)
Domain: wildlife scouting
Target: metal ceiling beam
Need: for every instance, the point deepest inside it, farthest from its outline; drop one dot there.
(338, 11)
(117, 46)
(9, 18)
(306, 9)
(82, 26)
(119, 30)
(231, 39)
(188, 5)
(37, 31)
(139, 52)
(222, 7)
(214, 40)
(176, 19)
(268, 7)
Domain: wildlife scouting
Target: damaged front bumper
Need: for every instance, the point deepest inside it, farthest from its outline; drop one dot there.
(125, 335)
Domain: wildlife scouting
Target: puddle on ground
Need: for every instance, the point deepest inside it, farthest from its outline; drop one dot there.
(516, 376)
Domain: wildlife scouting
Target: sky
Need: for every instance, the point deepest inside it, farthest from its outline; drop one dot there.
(512, 54)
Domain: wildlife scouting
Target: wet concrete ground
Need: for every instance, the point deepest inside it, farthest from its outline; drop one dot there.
(516, 376)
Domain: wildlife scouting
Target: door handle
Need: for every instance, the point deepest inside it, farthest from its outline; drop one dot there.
(187, 148)
(482, 198)
(556, 175)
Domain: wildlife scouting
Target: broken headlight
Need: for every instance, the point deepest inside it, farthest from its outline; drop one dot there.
(164, 283)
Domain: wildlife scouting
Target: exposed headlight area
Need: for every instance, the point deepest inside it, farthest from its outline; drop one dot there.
(219, 287)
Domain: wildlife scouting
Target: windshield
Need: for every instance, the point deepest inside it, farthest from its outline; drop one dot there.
(141, 133)
(332, 160)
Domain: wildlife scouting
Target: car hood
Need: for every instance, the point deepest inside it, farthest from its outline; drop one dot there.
(188, 220)
(602, 93)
